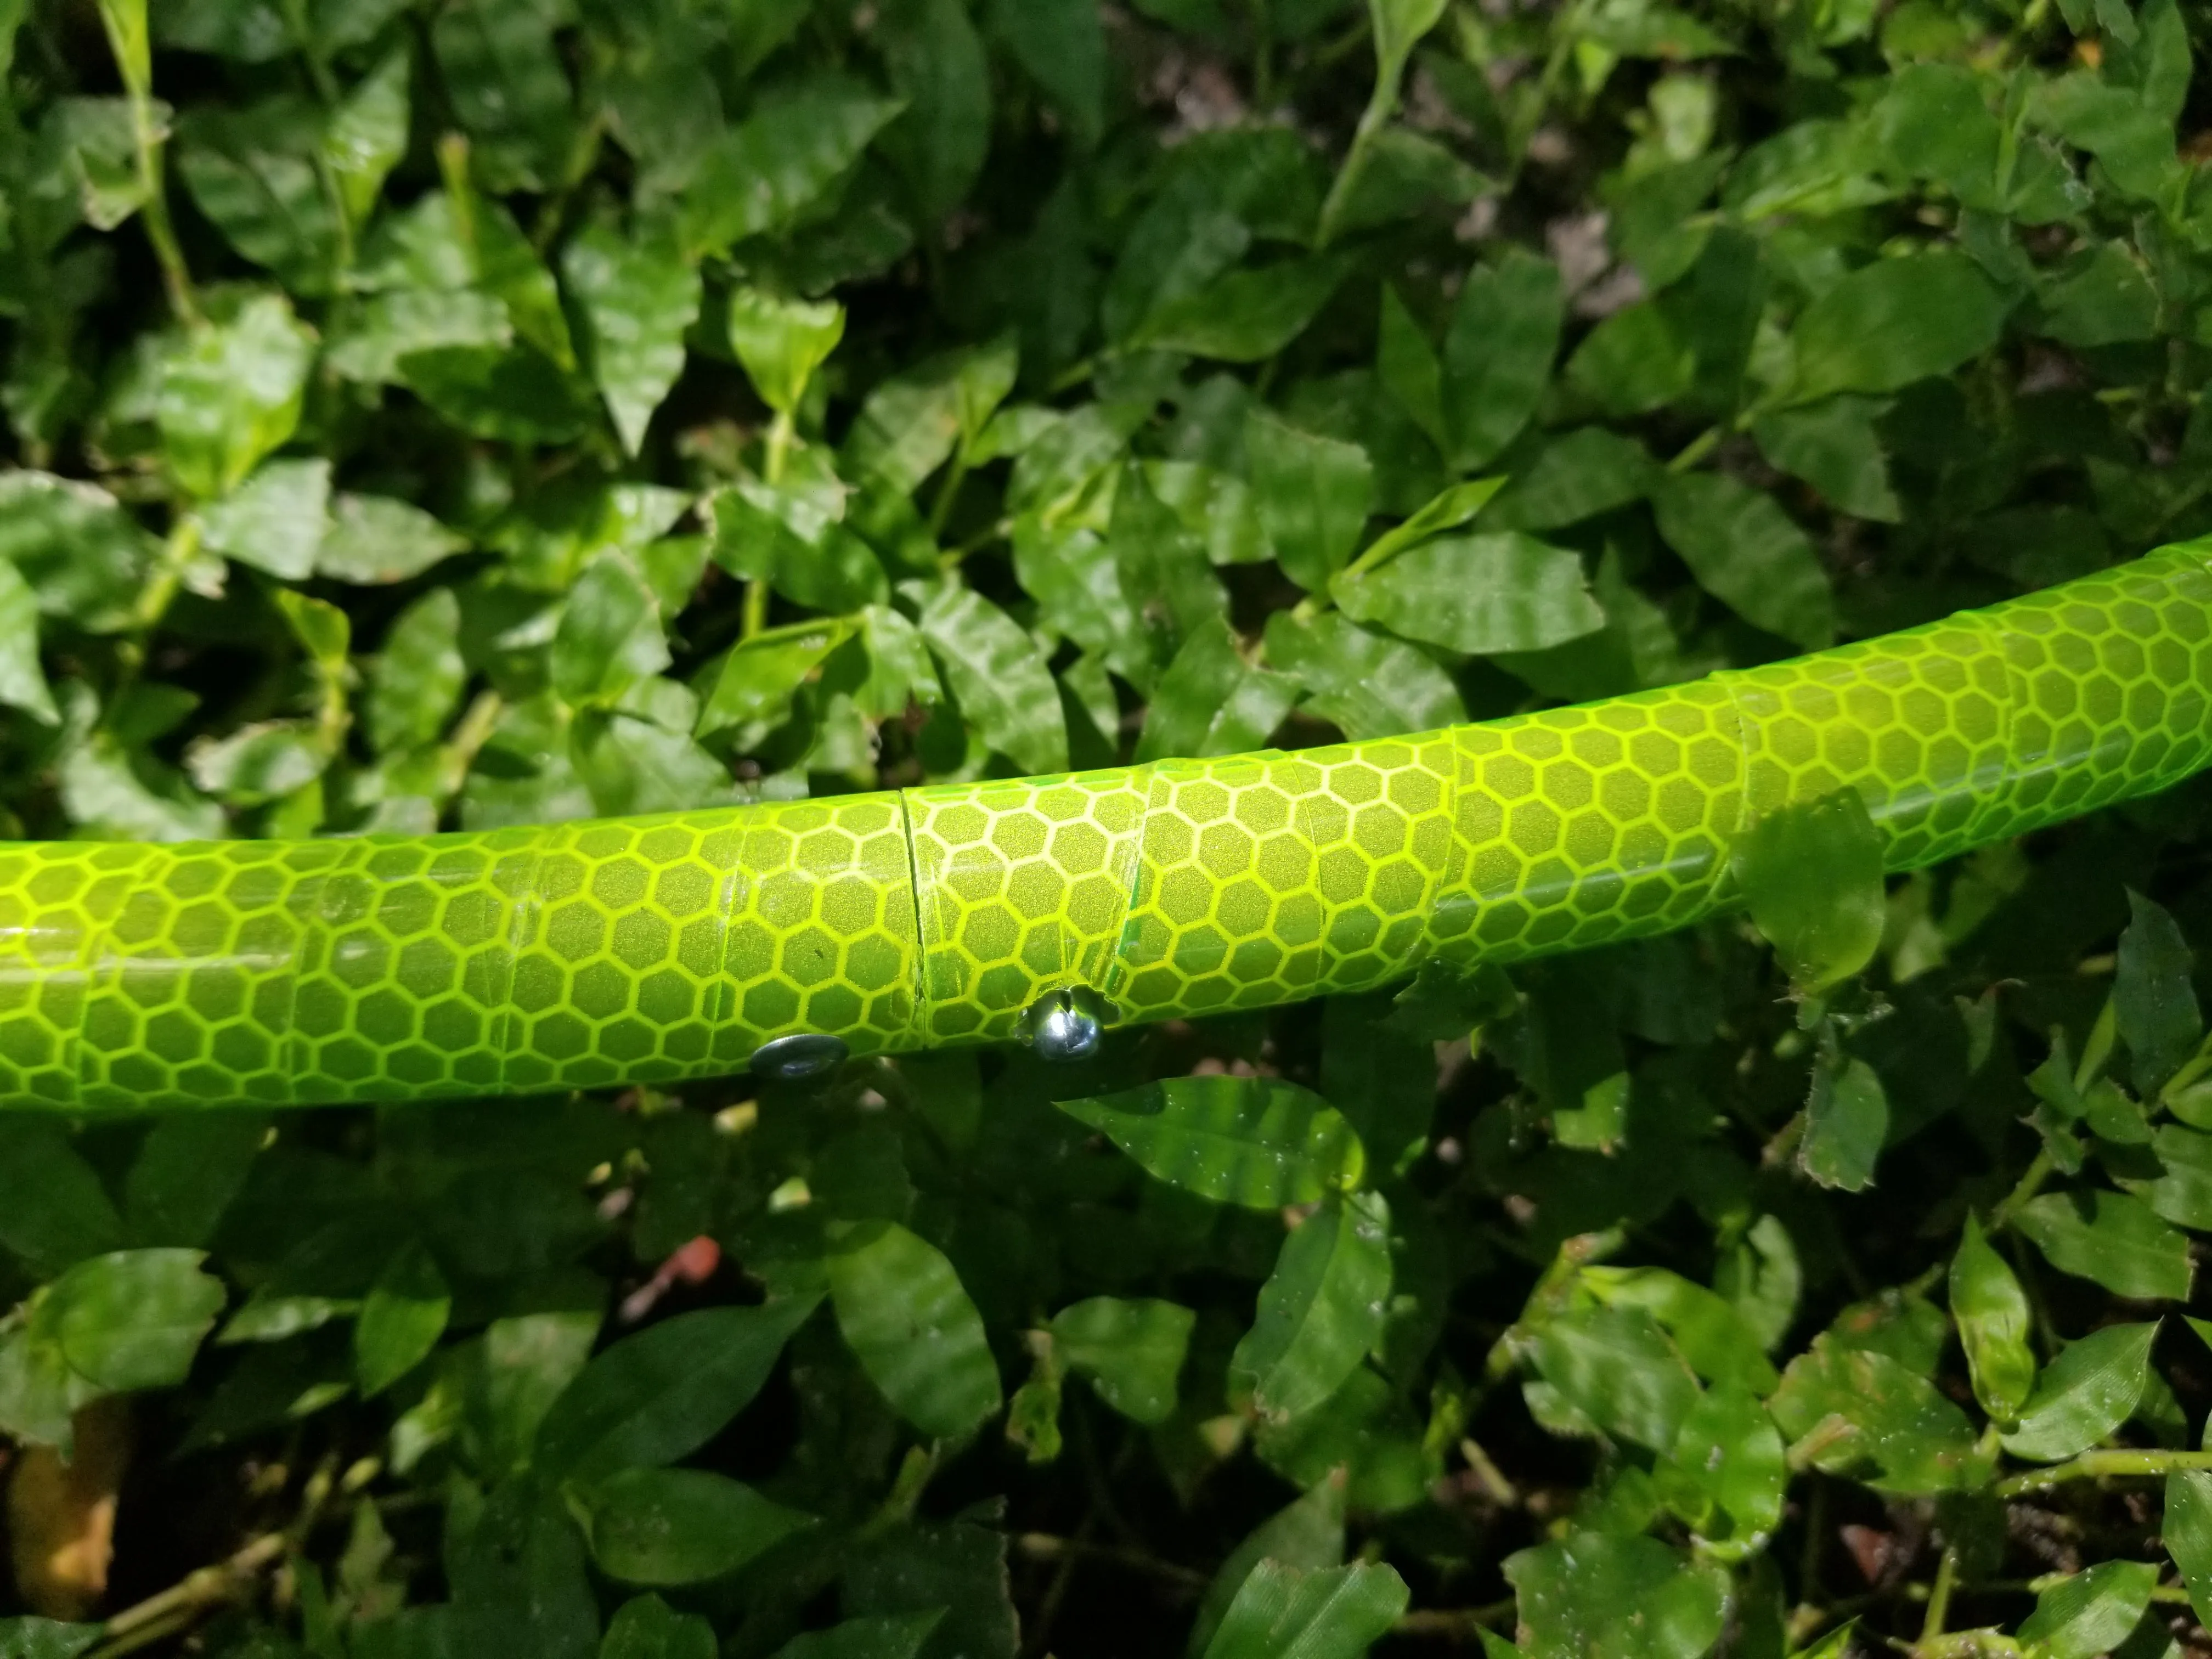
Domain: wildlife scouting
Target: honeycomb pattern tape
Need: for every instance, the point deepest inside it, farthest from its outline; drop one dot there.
(659, 949)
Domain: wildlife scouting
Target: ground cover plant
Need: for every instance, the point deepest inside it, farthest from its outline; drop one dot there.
(513, 411)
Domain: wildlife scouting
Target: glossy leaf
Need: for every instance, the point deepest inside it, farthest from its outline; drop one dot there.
(1811, 874)
(906, 1317)
(1366, 683)
(1497, 354)
(1257, 1142)
(401, 1319)
(646, 1627)
(1992, 1315)
(1211, 701)
(230, 393)
(1747, 553)
(135, 1319)
(766, 172)
(637, 300)
(2116, 1240)
(1321, 1310)
(1314, 495)
(1479, 594)
(1893, 322)
(659, 1395)
(781, 343)
(672, 1527)
(2084, 1394)
(1131, 1351)
(1328, 1613)
(2186, 1530)
(996, 672)
(2153, 998)
(2090, 1612)
(1594, 1596)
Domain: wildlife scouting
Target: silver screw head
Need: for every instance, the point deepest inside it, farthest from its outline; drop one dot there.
(1066, 1026)
(796, 1058)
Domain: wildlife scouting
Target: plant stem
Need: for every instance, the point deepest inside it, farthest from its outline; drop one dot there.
(2031, 1182)
(2102, 1465)
(131, 60)
(1939, 1598)
(171, 1610)
(775, 458)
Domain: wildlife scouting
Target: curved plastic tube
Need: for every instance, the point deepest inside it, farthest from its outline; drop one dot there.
(656, 950)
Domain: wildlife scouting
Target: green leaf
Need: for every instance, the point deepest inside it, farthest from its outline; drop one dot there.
(637, 298)
(1479, 594)
(1746, 552)
(1616, 1366)
(1893, 322)
(1891, 1426)
(22, 679)
(53, 1209)
(1321, 1310)
(1846, 1122)
(911, 422)
(2100, 298)
(1131, 1351)
(1213, 702)
(498, 61)
(230, 393)
(419, 674)
(1368, 685)
(1062, 46)
(2085, 1394)
(1810, 875)
(906, 1317)
(936, 63)
(781, 343)
(1833, 446)
(609, 636)
(1588, 472)
(1322, 1613)
(1245, 316)
(890, 1636)
(374, 539)
(187, 1171)
(646, 1627)
(1306, 1533)
(754, 689)
(1992, 1315)
(135, 1319)
(401, 1319)
(671, 1527)
(1259, 1142)
(520, 1582)
(2182, 1193)
(765, 173)
(660, 1394)
(84, 557)
(1497, 354)
(2090, 1612)
(367, 137)
(1313, 494)
(1731, 1452)
(1595, 1595)
(45, 1638)
(517, 396)
(2186, 1529)
(1633, 362)
(2153, 998)
(2118, 1240)
(253, 172)
(274, 521)
(996, 672)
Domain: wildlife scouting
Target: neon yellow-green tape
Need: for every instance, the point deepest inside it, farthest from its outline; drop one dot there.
(652, 951)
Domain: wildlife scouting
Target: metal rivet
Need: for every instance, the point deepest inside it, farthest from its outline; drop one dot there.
(1066, 1026)
(794, 1059)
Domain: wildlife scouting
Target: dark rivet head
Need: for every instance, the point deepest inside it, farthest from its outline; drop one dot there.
(1066, 1026)
(796, 1058)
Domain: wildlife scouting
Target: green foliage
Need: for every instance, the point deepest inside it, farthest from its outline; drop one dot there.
(505, 412)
